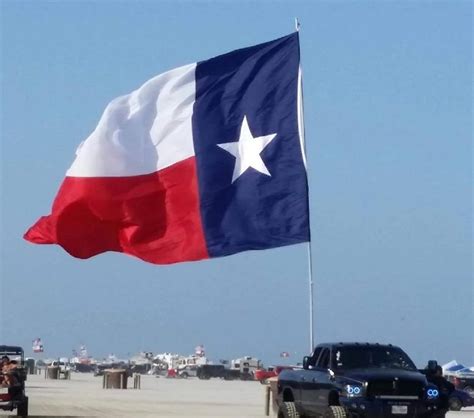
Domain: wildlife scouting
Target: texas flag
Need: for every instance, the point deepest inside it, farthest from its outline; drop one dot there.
(202, 161)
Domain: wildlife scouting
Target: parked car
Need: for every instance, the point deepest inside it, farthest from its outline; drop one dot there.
(189, 370)
(142, 368)
(206, 371)
(460, 399)
(246, 366)
(262, 375)
(357, 379)
(12, 382)
(83, 368)
(463, 380)
(101, 368)
(64, 367)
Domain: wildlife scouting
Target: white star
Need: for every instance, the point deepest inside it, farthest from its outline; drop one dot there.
(247, 151)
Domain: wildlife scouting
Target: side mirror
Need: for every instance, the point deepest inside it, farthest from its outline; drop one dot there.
(332, 375)
(306, 362)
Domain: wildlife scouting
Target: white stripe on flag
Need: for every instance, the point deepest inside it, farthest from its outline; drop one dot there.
(301, 115)
(144, 131)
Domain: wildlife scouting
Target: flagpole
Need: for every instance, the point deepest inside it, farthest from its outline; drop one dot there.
(301, 128)
(311, 308)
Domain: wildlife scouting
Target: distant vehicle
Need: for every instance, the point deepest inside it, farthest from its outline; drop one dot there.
(342, 380)
(187, 371)
(460, 399)
(193, 360)
(262, 375)
(166, 361)
(142, 368)
(463, 380)
(247, 366)
(83, 367)
(64, 366)
(100, 368)
(12, 388)
(207, 371)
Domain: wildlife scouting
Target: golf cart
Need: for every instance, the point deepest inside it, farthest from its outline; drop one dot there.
(12, 380)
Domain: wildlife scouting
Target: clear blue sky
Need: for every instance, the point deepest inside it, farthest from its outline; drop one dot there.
(388, 90)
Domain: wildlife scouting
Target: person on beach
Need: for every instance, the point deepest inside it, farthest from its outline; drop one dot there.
(3, 361)
(7, 369)
(445, 387)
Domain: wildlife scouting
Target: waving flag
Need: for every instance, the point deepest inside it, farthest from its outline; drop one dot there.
(202, 161)
(37, 346)
(199, 351)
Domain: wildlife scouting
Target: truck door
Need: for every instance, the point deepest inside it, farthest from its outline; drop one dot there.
(317, 390)
(324, 383)
(310, 383)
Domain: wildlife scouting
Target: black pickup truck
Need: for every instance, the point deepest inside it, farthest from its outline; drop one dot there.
(206, 371)
(359, 380)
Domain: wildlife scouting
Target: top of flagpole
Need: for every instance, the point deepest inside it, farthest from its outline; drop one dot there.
(297, 24)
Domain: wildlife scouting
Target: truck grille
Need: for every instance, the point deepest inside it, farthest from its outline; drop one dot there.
(394, 388)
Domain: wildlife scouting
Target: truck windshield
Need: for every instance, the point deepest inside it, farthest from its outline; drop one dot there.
(372, 357)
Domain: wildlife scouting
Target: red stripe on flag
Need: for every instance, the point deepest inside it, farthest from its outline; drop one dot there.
(155, 217)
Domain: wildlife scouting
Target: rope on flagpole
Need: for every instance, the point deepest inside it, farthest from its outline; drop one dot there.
(301, 129)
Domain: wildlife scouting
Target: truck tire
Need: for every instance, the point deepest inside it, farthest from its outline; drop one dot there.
(288, 410)
(335, 412)
(22, 410)
(455, 404)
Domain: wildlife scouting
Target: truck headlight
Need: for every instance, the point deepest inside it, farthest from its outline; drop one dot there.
(354, 390)
(432, 393)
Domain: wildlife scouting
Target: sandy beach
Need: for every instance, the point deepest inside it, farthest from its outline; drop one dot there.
(83, 396)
